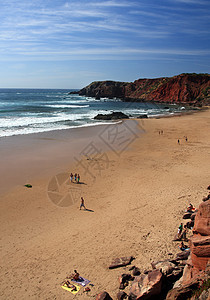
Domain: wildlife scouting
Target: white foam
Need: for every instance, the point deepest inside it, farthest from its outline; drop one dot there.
(67, 106)
(11, 122)
(28, 130)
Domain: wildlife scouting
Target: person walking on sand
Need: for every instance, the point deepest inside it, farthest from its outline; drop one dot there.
(71, 177)
(82, 203)
(178, 142)
(75, 177)
(78, 178)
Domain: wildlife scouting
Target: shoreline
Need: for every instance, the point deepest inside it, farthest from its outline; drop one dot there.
(77, 135)
(26, 157)
(171, 114)
(137, 202)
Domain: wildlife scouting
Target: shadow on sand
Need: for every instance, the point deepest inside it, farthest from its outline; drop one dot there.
(90, 210)
(79, 183)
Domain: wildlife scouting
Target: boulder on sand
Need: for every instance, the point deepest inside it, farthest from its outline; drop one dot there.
(166, 267)
(146, 285)
(182, 255)
(120, 262)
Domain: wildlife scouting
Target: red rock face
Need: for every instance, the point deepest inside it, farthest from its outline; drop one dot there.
(200, 242)
(202, 219)
(200, 245)
(184, 88)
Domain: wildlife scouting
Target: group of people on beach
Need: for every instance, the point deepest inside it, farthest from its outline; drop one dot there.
(179, 142)
(182, 230)
(75, 177)
(182, 234)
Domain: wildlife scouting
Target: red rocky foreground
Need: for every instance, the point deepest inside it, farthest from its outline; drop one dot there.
(163, 281)
(197, 269)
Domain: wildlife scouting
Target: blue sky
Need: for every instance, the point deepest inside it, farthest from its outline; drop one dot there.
(68, 44)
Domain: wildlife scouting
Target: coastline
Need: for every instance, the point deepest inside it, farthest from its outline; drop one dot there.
(24, 158)
(137, 203)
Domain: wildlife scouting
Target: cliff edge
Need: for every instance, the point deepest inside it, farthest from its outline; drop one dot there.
(192, 89)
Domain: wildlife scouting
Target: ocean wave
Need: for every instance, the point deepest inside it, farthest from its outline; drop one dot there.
(29, 130)
(66, 106)
(12, 122)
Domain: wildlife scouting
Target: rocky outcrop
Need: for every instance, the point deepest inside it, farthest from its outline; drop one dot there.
(197, 267)
(183, 292)
(202, 219)
(185, 276)
(146, 285)
(183, 88)
(113, 116)
(200, 242)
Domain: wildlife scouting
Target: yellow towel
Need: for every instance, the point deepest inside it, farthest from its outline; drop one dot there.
(65, 287)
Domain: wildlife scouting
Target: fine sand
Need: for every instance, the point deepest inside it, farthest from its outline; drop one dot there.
(136, 193)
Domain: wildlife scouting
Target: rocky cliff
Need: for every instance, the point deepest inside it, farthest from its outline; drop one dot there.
(193, 89)
(196, 273)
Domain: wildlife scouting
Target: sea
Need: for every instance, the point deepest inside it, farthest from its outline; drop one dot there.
(27, 111)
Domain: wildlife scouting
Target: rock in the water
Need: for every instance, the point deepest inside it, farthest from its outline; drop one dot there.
(113, 116)
(120, 262)
(142, 117)
(146, 285)
(103, 296)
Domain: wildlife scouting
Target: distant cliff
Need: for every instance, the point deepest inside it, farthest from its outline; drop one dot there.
(192, 89)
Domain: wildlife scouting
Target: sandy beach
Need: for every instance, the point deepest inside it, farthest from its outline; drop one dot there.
(136, 182)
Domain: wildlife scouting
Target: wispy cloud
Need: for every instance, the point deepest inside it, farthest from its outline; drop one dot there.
(103, 30)
(107, 51)
(112, 4)
(198, 2)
